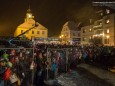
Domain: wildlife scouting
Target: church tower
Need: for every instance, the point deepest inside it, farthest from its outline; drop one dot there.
(29, 15)
(37, 32)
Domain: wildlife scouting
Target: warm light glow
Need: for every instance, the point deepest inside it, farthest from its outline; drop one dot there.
(107, 21)
(108, 11)
(101, 34)
(62, 35)
(107, 30)
(90, 29)
(107, 36)
(59, 36)
(29, 15)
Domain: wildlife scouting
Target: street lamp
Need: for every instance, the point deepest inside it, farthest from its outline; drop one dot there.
(61, 37)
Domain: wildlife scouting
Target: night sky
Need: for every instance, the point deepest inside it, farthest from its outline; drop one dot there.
(50, 13)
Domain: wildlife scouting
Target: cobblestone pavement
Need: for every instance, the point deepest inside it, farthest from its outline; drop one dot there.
(81, 77)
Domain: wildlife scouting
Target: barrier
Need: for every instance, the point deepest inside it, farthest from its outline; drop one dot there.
(64, 58)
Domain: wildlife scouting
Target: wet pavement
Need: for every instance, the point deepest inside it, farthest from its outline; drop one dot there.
(99, 72)
(81, 77)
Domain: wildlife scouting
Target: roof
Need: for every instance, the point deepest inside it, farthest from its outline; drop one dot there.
(30, 24)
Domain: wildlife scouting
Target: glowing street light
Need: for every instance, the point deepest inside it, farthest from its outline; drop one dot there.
(60, 37)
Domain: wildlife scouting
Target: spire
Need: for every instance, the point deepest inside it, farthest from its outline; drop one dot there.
(29, 10)
(29, 13)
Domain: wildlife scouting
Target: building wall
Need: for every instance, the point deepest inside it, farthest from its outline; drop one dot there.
(111, 27)
(87, 33)
(105, 26)
(36, 32)
(69, 31)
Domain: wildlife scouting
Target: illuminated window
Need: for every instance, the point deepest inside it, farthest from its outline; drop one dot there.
(90, 30)
(38, 32)
(90, 37)
(43, 32)
(107, 30)
(108, 11)
(32, 32)
(21, 31)
(107, 21)
(101, 14)
(84, 39)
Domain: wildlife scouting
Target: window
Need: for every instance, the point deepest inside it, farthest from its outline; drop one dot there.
(107, 11)
(107, 21)
(100, 23)
(65, 29)
(32, 32)
(90, 30)
(38, 32)
(43, 32)
(84, 30)
(21, 31)
(101, 14)
(107, 30)
(90, 37)
(83, 38)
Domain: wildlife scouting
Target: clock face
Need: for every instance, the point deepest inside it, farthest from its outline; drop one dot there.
(29, 15)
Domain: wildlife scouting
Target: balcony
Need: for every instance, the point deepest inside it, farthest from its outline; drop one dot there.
(97, 26)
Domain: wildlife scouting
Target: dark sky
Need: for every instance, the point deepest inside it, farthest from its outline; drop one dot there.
(50, 13)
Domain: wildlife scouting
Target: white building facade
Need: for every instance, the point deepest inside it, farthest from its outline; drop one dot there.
(70, 33)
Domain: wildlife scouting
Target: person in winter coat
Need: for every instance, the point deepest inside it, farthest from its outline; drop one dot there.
(39, 80)
(2, 70)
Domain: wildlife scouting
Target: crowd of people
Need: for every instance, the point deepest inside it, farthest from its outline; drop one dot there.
(14, 66)
(22, 67)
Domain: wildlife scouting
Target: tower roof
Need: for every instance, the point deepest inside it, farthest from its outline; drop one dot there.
(29, 11)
